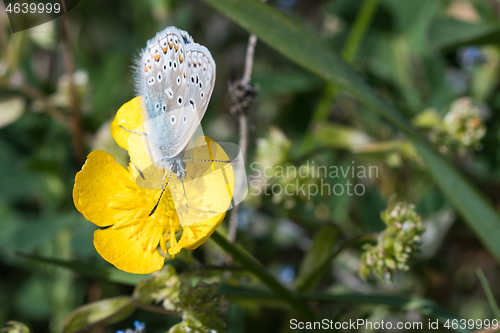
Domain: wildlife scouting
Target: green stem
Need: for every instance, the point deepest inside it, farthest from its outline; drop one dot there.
(359, 29)
(156, 309)
(489, 294)
(258, 270)
(366, 238)
(349, 51)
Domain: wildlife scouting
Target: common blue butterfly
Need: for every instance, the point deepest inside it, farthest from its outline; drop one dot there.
(175, 77)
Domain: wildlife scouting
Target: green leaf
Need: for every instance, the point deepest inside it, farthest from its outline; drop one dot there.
(15, 327)
(106, 273)
(99, 313)
(294, 42)
(11, 110)
(451, 34)
(163, 286)
(323, 244)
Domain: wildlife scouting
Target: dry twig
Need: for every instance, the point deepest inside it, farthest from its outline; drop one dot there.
(242, 95)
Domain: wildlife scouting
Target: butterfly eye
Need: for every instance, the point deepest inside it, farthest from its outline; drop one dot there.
(165, 68)
(175, 64)
(201, 85)
(178, 80)
(164, 108)
(179, 100)
(170, 64)
(202, 94)
(172, 119)
(191, 101)
(159, 77)
(184, 119)
(192, 78)
(157, 106)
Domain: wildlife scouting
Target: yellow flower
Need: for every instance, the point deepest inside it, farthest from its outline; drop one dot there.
(120, 200)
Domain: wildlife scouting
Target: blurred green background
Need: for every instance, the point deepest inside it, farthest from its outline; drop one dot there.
(418, 55)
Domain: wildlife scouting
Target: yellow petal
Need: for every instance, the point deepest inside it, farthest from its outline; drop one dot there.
(126, 253)
(207, 190)
(97, 186)
(130, 117)
(196, 234)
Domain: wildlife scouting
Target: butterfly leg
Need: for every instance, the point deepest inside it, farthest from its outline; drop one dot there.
(164, 187)
(135, 132)
(185, 196)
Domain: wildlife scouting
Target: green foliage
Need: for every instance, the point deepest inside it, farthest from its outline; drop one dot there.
(201, 307)
(15, 327)
(451, 33)
(99, 313)
(163, 287)
(460, 130)
(294, 42)
(396, 245)
(323, 244)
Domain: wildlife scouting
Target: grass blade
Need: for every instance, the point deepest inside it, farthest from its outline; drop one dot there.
(450, 34)
(489, 293)
(310, 271)
(106, 273)
(256, 268)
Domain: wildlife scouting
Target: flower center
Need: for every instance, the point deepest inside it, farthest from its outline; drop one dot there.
(133, 207)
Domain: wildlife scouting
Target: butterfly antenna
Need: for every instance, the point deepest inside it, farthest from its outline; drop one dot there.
(202, 160)
(161, 193)
(135, 132)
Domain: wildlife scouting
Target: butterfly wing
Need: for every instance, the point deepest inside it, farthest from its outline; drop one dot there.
(176, 78)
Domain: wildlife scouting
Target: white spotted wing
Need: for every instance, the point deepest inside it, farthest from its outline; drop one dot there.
(175, 77)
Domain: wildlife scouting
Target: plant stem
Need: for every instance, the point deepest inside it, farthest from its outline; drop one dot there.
(252, 41)
(53, 111)
(258, 270)
(358, 30)
(489, 294)
(76, 126)
(157, 309)
(365, 238)
(349, 51)
(243, 124)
